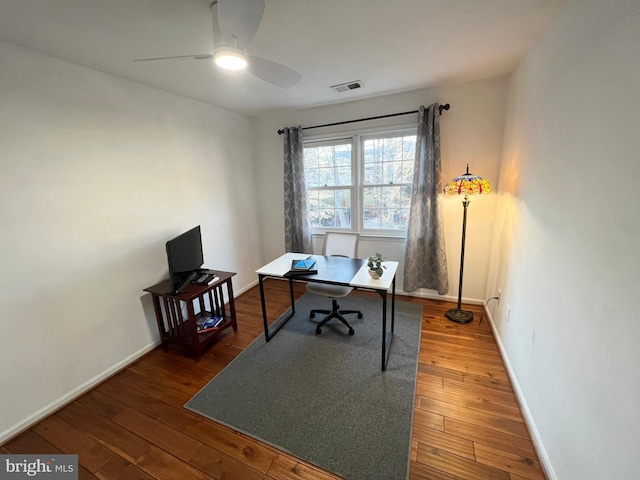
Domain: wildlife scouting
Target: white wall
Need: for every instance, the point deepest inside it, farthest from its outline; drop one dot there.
(567, 250)
(471, 132)
(97, 173)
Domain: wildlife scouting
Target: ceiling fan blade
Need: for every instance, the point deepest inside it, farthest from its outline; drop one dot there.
(201, 56)
(239, 21)
(218, 39)
(272, 72)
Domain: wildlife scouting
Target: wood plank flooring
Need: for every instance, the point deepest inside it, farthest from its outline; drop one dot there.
(467, 423)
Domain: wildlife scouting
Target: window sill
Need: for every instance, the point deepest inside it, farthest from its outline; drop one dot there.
(383, 237)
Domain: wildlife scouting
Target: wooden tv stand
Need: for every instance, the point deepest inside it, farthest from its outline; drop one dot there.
(176, 328)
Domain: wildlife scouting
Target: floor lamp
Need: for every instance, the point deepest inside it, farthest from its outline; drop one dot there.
(469, 184)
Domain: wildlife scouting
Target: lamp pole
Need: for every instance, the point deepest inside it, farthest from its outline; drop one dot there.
(457, 314)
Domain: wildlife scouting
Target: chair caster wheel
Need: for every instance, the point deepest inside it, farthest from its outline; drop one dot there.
(360, 315)
(312, 315)
(318, 331)
(351, 331)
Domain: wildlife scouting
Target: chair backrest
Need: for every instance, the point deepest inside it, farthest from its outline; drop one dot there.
(341, 244)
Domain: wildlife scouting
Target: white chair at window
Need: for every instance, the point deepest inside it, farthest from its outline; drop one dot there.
(340, 245)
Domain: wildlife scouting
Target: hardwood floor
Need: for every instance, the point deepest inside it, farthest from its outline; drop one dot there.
(467, 423)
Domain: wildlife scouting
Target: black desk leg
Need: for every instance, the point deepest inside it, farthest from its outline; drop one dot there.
(384, 330)
(393, 303)
(387, 337)
(293, 302)
(269, 335)
(264, 309)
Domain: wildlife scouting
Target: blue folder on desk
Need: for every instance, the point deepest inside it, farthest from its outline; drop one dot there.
(303, 266)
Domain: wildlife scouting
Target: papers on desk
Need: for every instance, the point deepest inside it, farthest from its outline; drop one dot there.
(303, 266)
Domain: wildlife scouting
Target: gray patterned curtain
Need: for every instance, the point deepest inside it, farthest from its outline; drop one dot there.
(297, 228)
(425, 259)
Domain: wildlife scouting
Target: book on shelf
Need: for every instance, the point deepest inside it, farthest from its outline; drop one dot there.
(303, 266)
(207, 323)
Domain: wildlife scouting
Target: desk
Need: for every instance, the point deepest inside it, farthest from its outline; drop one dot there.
(348, 272)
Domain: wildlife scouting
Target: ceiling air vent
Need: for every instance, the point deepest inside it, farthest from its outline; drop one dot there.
(345, 87)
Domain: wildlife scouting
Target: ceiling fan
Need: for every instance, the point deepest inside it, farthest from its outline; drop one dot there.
(235, 22)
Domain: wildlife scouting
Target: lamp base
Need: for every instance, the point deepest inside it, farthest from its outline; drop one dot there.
(458, 315)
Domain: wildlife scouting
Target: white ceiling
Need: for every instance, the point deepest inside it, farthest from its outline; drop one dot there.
(390, 45)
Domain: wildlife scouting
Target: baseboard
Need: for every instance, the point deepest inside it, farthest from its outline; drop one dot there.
(524, 407)
(237, 293)
(73, 394)
(444, 298)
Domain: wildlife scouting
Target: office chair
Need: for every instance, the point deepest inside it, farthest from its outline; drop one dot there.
(340, 245)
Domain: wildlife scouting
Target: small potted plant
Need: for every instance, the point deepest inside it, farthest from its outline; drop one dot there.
(375, 265)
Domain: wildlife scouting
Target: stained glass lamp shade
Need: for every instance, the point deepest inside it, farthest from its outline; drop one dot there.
(467, 184)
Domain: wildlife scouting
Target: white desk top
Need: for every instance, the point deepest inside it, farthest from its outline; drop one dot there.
(281, 266)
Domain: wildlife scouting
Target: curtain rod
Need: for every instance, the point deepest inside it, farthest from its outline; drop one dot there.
(446, 106)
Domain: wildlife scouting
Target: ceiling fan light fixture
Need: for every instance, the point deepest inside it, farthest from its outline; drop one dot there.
(230, 59)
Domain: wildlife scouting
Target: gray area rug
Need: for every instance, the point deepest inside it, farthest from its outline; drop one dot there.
(324, 398)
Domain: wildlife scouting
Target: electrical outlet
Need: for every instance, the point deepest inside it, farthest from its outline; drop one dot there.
(499, 295)
(508, 312)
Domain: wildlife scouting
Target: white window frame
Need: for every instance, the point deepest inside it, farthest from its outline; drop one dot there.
(357, 138)
(352, 188)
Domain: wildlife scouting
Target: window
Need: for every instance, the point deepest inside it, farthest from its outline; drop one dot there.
(329, 171)
(361, 183)
(388, 177)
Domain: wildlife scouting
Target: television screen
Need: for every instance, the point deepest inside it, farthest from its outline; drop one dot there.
(184, 254)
